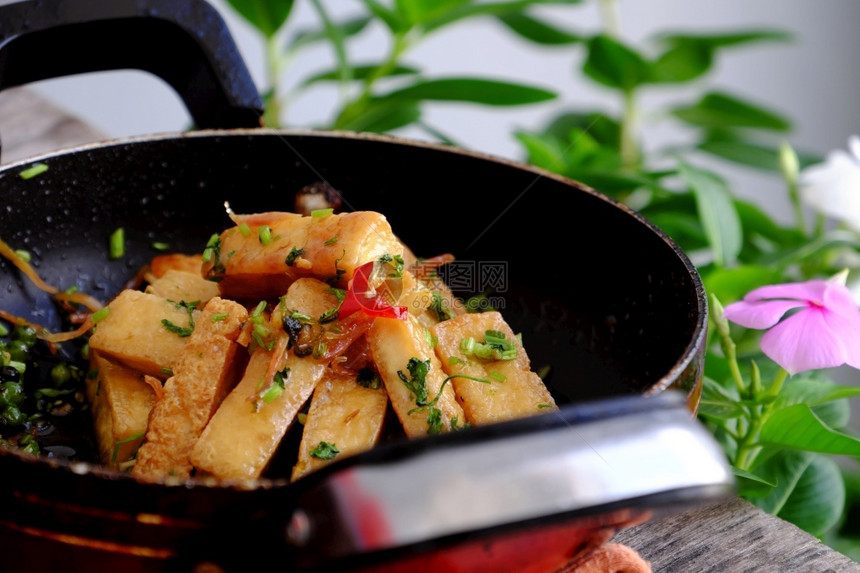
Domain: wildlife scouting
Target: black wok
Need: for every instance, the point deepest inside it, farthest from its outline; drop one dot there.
(602, 297)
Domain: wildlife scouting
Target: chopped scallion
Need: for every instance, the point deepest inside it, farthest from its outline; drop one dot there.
(116, 247)
(32, 171)
(265, 235)
(100, 314)
(321, 213)
(245, 229)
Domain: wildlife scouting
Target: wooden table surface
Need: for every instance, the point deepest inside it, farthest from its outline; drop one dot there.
(730, 537)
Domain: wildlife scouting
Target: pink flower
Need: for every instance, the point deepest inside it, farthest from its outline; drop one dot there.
(823, 334)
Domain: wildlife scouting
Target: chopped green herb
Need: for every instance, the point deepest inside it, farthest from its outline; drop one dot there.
(418, 370)
(332, 241)
(329, 315)
(212, 252)
(302, 418)
(277, 386)
(434, 421)
(300, 317)
(33, 170)
(181, 331)
(23, 255)
(125, 441)
(495, 346)
(543, 406)
(440, 308)
(455, 424)
(339, 293)
(116, 246)
(245, 230)
(167, 371)
(325, 451)
(398, 263)
(93, 374)
(368, 378)
(498, 376)
(544, 372)
(257, 313)
(293, 255)
(338, 272)
(321, 213)
(265, 235)
(320, 349)
(219, 317)
(100, 314)
(159, 246)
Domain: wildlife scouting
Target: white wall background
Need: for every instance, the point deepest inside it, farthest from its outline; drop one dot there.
(815, 80)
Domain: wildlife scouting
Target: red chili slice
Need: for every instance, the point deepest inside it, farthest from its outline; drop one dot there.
(357, 298)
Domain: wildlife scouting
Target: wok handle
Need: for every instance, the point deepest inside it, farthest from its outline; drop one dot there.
(185, 43)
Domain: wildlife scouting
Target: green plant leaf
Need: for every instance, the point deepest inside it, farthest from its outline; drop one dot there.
(487, 92)
(719, 110)
(542, 151)
(359, 72)
(750, 484)
(265, 15)
(419, 11)
(392, 19)
(473, 10)
(717, 402)
(681, 64)
(812, 392)
(732, 284)
(799, 427)
(835, 413)
(347, 29)
(809, 490)
(725, 40)
(538, 31)
(751, 154)
(604, 129)
(381, 117)
(615, 65)
(816, 503)
(716, 212)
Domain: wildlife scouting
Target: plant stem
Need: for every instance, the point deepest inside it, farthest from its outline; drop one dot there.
(629, 151)
(274, 66)
(609, 15)
(356, 107)
(336, 37)
(748, 443)
(794, 196)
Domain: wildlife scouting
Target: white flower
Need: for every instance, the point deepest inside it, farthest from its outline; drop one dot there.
(833, 187)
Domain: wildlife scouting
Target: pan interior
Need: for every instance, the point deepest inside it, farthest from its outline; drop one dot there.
(602, 299)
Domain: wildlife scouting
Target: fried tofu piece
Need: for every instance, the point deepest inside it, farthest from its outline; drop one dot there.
(244, 433)
(344, 414)
(183, 286)
(203, 375)
(121, 402)
(426, 406)
(328, 247)
(135, 333)
(159, 265)
(513, 391)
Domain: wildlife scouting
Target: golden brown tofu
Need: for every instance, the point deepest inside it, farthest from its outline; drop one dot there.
(343, 414)
(159, 265)
(182, 286)
(421, 402)
(121, 402)
(203, 375)
(135, 333)
(246, 430)
(331, 246)
(512, 391)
